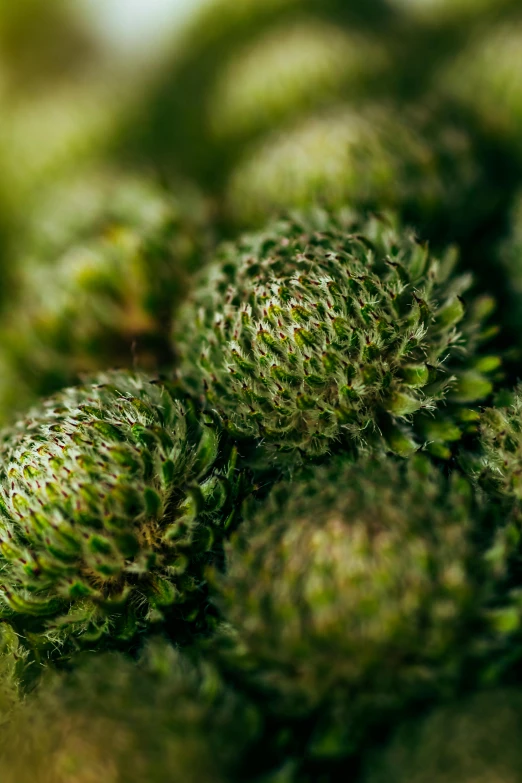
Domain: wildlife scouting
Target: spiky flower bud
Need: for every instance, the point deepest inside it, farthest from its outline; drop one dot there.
(55, 131)
(477, 739)
(366, 157)
(97, 291)
(111, 720)
(113, 499)
(82, 207)
(327, 328)
(351, 594)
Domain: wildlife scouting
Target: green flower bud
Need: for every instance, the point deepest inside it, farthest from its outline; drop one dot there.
(113, 499)
(352, 593)
(88, 206)
(111, 720)
(121, 254)
(495, 465)
(474, 741)
(327, 328)
(422, 166)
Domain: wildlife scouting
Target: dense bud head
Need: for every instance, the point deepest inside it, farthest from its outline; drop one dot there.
(369, 157)
(294, 66)
(350, 593)
(111, 720)
(98, 285)
(326, 328)
(486, 77)
(474, 741)
(42, 137)
(112, 502)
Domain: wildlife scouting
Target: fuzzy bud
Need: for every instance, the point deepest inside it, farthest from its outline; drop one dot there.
(499, 465)
(350, 594)
(325, 328)
(113, 498)
(289, 69)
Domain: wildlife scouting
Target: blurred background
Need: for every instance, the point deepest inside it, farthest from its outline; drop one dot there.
(130, 25)
(223, 113)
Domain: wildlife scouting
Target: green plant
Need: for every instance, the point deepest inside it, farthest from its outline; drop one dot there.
(98, 284)
(263, 521)
(114, 497)
(417, 162)
(352, 593)
(295, 66)
(176, 120)
(495, 466)
(499, 467)
(327, 328)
